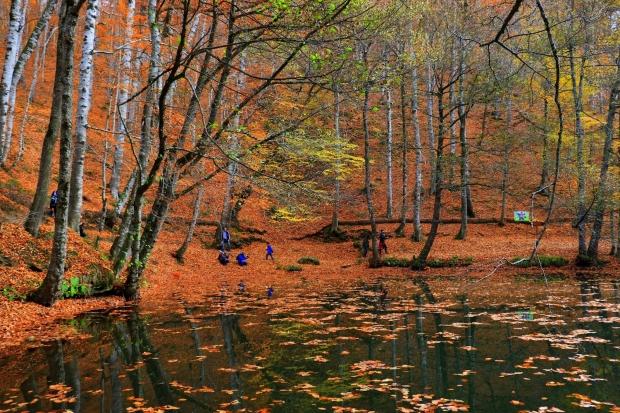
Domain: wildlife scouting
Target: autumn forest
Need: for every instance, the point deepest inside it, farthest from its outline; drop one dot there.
(389, 168)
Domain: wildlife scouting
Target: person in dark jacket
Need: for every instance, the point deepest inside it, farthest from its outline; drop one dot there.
(382, 243)
(53, 203)
(222, 257)
(365, 245)
(269, 252)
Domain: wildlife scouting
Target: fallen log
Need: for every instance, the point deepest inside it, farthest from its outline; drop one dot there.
(383, 221)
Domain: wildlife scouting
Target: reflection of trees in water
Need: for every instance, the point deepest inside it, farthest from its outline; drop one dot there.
(232, 333)
(440, 348)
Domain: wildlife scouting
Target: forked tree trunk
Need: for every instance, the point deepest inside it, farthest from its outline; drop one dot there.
(81, 118)
(417, 189)
(40, 201)
(180, 253)
(49, 291)
(420, 261)
(544, 171)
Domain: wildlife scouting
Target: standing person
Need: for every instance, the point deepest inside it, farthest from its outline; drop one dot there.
(82, 231)
(269, 252)
(53, 203)
(365, 244)
(270, 291)
(225, 239)
(382, 244)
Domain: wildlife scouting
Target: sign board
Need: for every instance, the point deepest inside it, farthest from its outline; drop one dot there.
(522, 216)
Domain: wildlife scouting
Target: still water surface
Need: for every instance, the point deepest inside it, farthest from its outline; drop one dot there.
(517, 346)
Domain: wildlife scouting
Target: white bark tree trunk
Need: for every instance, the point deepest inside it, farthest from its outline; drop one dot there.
(417, 189)
(15, 27)
(429, 124)
(81, 118)
(123, 95)
(388, 152)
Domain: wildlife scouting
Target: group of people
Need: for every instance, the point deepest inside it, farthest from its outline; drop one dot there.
(242, 258)
(243, 289)
(382, 243)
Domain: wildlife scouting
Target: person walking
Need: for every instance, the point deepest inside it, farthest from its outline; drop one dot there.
(365, 245)
(382, 243)
(53, 203)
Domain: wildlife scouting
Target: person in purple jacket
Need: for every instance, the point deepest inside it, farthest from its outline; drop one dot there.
(269, 252)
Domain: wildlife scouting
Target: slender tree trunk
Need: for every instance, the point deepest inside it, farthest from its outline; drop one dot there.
(405, 164)
(31, 92)
(388, 153)
(81, 118)
(13, 36)
(452, 99)
(430, 84)
(49, 291)
(123, 95)
(234, 145)
(104, 189)
(18, 71)
(577, 93)
(602, 196)
(506, 162)
(465, 193)
(336, 201)
(420, 261)
(375, 260)
(544, 172)
(417, 189)
(613, 226)
(180, 253)
(483, 127)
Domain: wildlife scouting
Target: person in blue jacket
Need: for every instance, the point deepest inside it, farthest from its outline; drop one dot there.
(269, 252)
(242, 259)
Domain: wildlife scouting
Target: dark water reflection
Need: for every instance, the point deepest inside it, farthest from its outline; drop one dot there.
(516, 347)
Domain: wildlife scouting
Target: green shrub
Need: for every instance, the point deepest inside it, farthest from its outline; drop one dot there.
(450, 262)
(74, 288)
(443, 262)
(309, 261)
(292, 268)
(396, 262)
(545, 261)
(12, 295)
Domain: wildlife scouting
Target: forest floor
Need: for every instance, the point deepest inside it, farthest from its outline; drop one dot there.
(24, 324)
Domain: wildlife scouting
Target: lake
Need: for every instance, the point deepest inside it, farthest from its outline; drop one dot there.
(431, 345)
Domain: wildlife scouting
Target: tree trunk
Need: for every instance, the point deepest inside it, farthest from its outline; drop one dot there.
(420, 261)
(388, 154)
(81, 118)
(375, 260)
(39, 203)
(612, 233)
(104, 190)
(13, 37)
(465, 193)
(18, 70)
(452, 99)
(122, 107)
(405, 164)
(430, 84)
(417, 189)
(544, 172)
(506, 162)
(49, 291)
(336, 201)
(577, 93)
(180, 253)
(602, 196)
